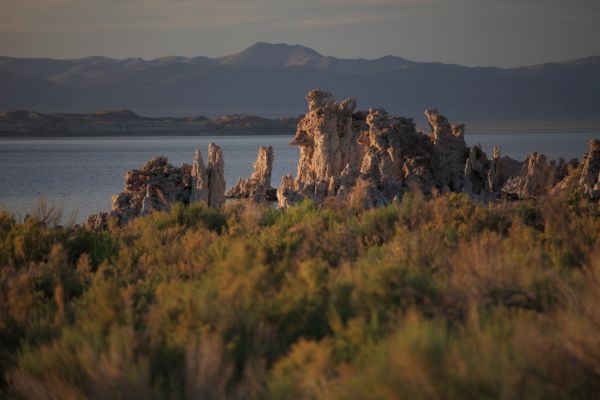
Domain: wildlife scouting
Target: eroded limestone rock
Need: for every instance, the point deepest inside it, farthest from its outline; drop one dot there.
(287, 194)
(589, 170)
(450, 151)
(158, 185)
(366, 159)
(342, 186)
(199, 191)
(395, 156)
(155, 186)
(537, 177)
(257, 187)
(340, 148)
(476, 171)
(97, 222)
(327, 137)
(215, 171)
(500, 170)
(565, 168)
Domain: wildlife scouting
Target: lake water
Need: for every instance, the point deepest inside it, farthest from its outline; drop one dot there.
(81, 174)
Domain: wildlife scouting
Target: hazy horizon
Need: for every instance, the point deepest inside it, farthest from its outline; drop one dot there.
(466, 32)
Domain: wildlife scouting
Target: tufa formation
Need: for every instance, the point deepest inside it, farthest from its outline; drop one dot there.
(363, 159)
(257, 188)
(394, 157)
(158, 185)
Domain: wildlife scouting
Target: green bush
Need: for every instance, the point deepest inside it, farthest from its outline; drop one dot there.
(428, 298)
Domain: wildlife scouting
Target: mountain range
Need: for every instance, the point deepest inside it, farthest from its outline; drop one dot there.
(272, 79)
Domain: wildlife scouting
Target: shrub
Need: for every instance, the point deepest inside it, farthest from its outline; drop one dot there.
(438, 297)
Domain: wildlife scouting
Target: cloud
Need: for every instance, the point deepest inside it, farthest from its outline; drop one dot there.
(89, 15)
(98, 15)
(86, 15)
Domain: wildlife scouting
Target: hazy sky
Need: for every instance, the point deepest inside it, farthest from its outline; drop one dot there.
(468, 32)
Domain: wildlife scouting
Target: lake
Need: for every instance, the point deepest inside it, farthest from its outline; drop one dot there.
(81, 174)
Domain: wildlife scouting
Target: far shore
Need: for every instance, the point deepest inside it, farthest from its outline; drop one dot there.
(472, 127)
(479, 130)
(533, 126)
(45, 135)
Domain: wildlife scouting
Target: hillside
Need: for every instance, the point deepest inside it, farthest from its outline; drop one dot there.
(271, 79)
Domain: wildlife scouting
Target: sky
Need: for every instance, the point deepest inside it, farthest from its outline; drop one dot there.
(503, 33)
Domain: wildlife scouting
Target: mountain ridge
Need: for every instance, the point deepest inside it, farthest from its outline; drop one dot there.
(261, 46)
(271, 80)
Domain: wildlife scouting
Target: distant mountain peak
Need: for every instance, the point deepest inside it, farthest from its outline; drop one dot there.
(272, 55)
(267, 45)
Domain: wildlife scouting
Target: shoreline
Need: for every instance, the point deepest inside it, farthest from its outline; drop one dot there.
(473, 128)
(52, 135)
(73, 135)
(11, 136)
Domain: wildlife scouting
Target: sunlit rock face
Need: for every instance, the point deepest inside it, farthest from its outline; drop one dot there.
(327, 138)
(372, 158)
(589, 170)
(395, 156)
(449, 152)
(215, 171)
(340, 147)
(536, 177)
(208, 184)
(199, 191)
(257, 187)
(287, 194)
(157, 185)
(361, 159)
(583, 176)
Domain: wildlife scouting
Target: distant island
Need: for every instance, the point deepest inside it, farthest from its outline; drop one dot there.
(35, 124)
(26, 123)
